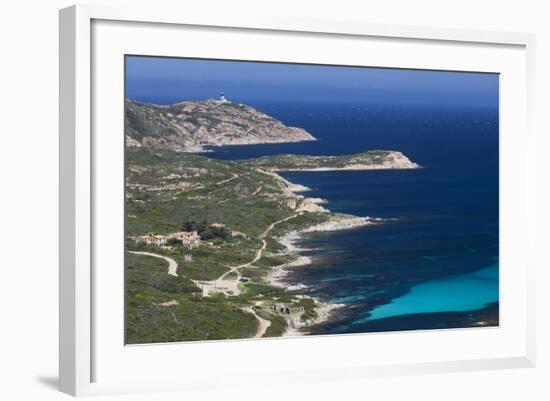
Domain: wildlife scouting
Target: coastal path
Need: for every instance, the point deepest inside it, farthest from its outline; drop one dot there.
(258, 189)
(199, 187)
(263, 323)
(259, 252)
(235, 176)
(231, 286)
(172, 264)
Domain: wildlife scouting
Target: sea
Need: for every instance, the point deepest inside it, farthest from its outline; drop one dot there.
(433, 261)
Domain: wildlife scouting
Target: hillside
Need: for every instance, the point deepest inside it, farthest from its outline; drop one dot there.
(189, 126)
(166, 190)
(371, 160)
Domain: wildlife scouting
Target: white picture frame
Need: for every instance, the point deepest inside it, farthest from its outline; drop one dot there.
(79, 350)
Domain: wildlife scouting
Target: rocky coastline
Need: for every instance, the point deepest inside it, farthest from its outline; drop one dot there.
(337, 221)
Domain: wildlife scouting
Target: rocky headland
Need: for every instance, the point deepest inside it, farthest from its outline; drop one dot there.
(370, 160)
(190, 126)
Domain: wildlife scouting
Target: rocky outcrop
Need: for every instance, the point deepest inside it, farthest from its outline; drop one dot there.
(371, 160)
(191, 125)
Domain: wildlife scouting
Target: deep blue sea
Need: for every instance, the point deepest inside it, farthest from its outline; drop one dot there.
(434, 262)
(436, 257)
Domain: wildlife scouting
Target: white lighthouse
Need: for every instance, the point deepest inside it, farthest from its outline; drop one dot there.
(222, 98)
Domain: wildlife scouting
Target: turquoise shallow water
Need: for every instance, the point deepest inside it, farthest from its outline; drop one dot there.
(462, 293)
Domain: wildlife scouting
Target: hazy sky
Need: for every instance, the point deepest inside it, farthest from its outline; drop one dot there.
(166, 80)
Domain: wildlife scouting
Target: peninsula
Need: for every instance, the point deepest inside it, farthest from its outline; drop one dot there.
(370, 160)
(189, 126)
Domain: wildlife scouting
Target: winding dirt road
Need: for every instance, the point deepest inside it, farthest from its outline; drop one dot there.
(263, 323)
(172, 264)
(259, 252)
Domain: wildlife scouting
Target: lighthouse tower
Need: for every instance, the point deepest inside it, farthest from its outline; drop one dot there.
(222, 98)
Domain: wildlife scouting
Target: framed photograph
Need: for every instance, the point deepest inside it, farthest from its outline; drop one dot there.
(290, 200)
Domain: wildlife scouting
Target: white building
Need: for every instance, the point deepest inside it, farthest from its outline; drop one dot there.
(189, 239)
(152, 239)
